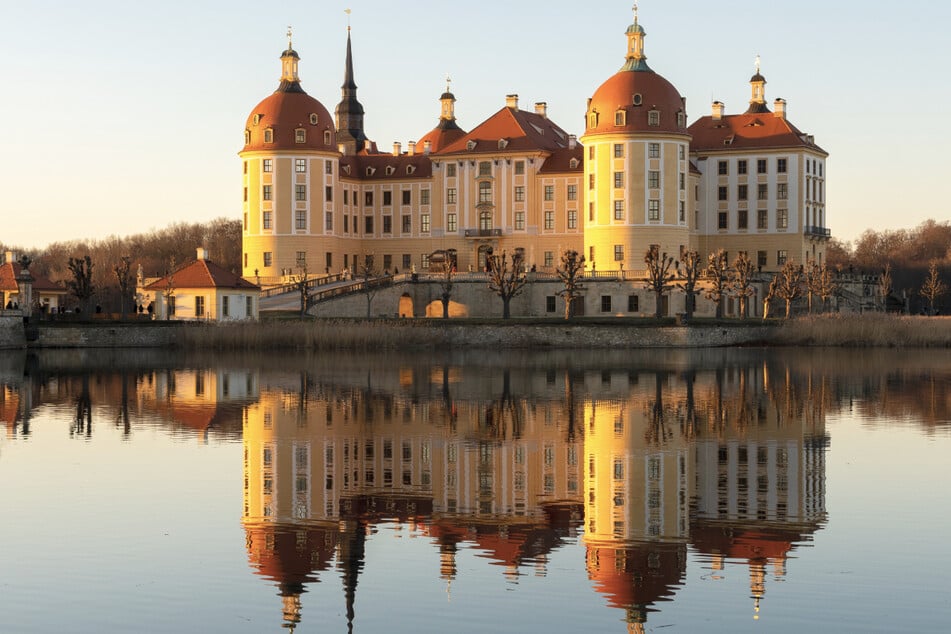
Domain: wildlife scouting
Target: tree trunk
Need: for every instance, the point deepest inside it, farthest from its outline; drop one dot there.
(788, 307)
(505, 307)
(568, 299)
(659, 307)
(742, 307)
(445, 307)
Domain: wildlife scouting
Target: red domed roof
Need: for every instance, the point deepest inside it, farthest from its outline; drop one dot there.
(285, 112)
(636, 92)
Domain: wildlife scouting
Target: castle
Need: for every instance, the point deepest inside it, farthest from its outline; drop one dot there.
(319, 194)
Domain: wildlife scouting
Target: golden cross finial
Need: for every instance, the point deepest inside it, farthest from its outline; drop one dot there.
(290, 33)
(635, 13)
(757, 63)
(448, 81)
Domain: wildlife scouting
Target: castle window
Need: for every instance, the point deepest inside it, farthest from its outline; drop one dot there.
(653, 179)
(424, 223)
(618, 180)
(572, 219)
(407, 197)
(389, 170)
(781, 256)
(266, 220)
(313, 118)
(760, 166)
(451, 223)
(519, 194)
(300, 165)
(573, 164)
(300, 220)
(593, 120)
(269, 136)
(781, 165)
(485, 192)
(247, 137)
(620, 118)
(451, 195)
(267, 166)
(256, 119)
(572, 192)
(619, 210)
(387, 198)
(741, 166)
(387, 224)
(618, 252)
(653, 118)
(470, 145)
(782, 219)
(723, 168)
(300, 192)
(681, 119)
(266, 192)
(653, 210)
(653, 150)
(549, 193)
(268, 258)
(618, 150)
(549, 220)
(519, 168)
(326, 137)
(485, 168)
(300, 135)
(329, 168)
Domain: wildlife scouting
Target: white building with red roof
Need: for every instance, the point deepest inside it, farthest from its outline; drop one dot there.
(46, 295)
(202, 291)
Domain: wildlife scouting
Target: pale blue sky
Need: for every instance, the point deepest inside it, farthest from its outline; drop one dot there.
(120, 117)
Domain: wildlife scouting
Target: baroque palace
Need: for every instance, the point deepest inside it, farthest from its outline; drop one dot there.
(318, 192)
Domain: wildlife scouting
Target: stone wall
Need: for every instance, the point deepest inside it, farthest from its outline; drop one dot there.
(12, 334)
(92, 335)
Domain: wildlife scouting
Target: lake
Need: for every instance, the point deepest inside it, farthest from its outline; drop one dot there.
(740, 490)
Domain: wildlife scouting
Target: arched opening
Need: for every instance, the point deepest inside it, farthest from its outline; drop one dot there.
(485, 250)
(406, 306)
(434, 309)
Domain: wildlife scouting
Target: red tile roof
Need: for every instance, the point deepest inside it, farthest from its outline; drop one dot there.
(284, 113)
(521, 131)
(202, 274)
(756, 131)
(441, 137)
(560, 161)
(618, 93)
(10, 270)
(386, 167)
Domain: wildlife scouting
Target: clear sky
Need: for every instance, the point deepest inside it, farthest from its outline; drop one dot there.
(120, 117)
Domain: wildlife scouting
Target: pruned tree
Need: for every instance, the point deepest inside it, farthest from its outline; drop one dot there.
(716, 271)
(368, 273)
(789, 284)
(885, 285)
(690, 272)
(741, 281)
(770, 295)
(506, 281)
(80, 285)
(445, 286)
(126, 281)
(169, 292)
(300, 281)
(933, 288)
(659, 276)
(827, 285)
(570, 272)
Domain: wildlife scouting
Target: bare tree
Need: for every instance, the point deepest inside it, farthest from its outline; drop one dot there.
(659, 276)
(445, 285)
(570, 272)
(690, 273)
(369, 273)
(885, 285)
(933, 288)
(717, 275)
(506, 282)
(126, 280)
(789, 285)
(81, 285)
(770, 295)
(827, 285)
(169, 292)
(741, 281)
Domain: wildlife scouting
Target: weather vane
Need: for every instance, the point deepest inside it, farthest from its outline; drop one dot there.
(757, 63)
(635, 11)
(448, 81)
(290, 32)
(347, 11)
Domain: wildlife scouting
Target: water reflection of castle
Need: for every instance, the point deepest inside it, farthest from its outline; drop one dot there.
(648, 463)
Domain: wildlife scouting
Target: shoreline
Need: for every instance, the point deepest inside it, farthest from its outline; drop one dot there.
(850, 331)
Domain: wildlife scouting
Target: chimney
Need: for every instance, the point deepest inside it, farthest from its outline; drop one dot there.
(779, 107)
(717, 110)
(9, 257)
(202, 253)
(572, 141)
(511, 101)
(397, 148)
(412, 148)
(541, 109)
(427, 147)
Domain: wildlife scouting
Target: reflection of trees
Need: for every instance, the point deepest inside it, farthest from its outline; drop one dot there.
(82, 423)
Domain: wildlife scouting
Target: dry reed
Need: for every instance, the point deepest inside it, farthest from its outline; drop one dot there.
(866, 330)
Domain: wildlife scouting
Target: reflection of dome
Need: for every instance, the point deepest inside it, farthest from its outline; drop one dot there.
(274, 123)
(635, 575)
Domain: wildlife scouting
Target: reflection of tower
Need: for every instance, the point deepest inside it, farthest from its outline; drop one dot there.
(760, 476)
(636, 489)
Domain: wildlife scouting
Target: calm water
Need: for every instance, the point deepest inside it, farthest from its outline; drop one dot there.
(682, 491)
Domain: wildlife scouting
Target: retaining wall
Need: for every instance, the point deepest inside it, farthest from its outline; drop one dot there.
(12, 334)
(107, 335)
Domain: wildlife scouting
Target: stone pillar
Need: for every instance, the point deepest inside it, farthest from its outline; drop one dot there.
(25, 289)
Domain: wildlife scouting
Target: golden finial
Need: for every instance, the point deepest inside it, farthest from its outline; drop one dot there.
(635, 13)
(290, 33)
(448, 81)
(757, 62)
(347, 11)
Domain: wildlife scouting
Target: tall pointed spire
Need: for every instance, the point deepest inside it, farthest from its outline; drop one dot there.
(349, 113)
(636, 59)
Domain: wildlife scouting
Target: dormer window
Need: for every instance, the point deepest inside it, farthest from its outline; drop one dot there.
(653, 118)
(256, 119)
(247, 137)
(620, 117)
(681, 119)
(593, 119)
(269, 136)
(300, 135)
(389, 170)
(370, 171)
(326, 137)
(502, 144)
(470, 145)
(638, 99)
(313, 118)
(573, 163)
(410, 169)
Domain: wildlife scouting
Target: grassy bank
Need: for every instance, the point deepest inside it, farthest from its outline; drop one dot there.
(868, 330)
